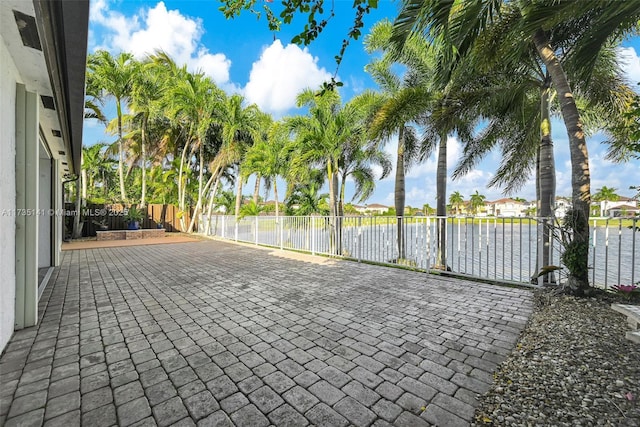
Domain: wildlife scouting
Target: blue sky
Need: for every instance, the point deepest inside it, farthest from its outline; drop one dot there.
(243, 56)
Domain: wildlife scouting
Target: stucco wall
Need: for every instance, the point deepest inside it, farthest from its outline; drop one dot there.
(44, 221)
(8, 77)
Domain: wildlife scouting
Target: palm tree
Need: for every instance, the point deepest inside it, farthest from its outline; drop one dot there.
(250, 209)
(583, 27)
(456, 200)
(426, 102)
(320, 137)
(427, 209)
(476, 202)
(194, 99)
(95, 166)
(403, 101)
(268, 158)
(114, 77)
(606, 195)
(306, 199)
(357, 162)
(360, 154)
(240, 129)
(227, 200)
(517, 104)
(92, 102)
(145, 93)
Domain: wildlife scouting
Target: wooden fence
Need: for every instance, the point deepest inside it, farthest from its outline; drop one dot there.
(155, 215)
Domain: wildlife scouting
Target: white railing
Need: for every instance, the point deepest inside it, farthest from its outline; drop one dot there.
(491, 248)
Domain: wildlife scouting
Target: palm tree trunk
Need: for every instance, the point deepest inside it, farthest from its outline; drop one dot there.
(123, 192)
(547, 178)
(399, 194)
(182, 185)
(212, 197)
(143, 155)
(336, 208)
(332, 207)
(256, 189)
(441, 204)
(77, 230)
(83, 177)
(343, 179)
(105, 187)
(201, 171)
(578, 250)
(201, 188)
(238, 195)
(196, 210)
(275, 194)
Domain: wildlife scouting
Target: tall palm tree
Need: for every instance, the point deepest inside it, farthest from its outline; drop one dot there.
(114, 77)
(268, 158)
(360, 153)
(146, 91)
(357, 162)
(517, 104)
(583, 27)
(96, 166)
(306, 198)
(92, 101)
(606, 195)
(226, 199)
(476, 202)
(427, 102)
(456, 200)
(403, 101)
(195, 99)
(320, 137)
(240, 126)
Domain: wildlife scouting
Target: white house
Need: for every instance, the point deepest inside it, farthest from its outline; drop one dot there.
(623, 210)
(376, 208)
(563, 204)
(506, 207)
(608, 207)
(43, 48)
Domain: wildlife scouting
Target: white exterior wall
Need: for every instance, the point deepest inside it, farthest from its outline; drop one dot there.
(8, 78)
(58, 205)
(44, 204)
(508, 209)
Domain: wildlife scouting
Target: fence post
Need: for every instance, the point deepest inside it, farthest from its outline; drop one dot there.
(256, 230)
(223, 226)
(235, 233)
(594, 239)
(428, 242)
(633, 252)
(282, 234)
(313, 235)
(359, 238)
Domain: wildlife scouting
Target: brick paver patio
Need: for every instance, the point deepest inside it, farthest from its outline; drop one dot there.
(212, 333)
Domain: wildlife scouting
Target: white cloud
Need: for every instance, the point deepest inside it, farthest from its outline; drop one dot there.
(389, 200)
(430, 166)
(615, 175)
(280, 74)
(356, 84)
(416, 193)
(630, 64)
(215, 65)
(155, 29)
(476, 177)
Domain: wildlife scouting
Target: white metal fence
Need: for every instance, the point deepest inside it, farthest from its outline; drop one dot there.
(501, 249)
